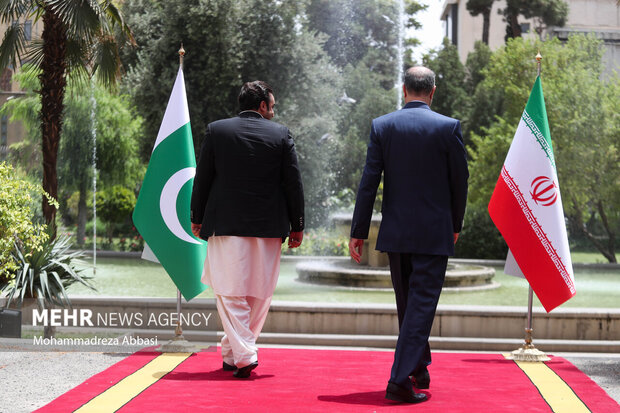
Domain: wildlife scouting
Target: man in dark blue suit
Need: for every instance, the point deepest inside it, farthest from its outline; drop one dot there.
(424, 166)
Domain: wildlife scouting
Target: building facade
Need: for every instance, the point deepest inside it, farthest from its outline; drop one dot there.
(600, 17)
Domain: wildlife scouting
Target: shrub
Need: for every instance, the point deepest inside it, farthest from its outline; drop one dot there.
(16, 216)
(320, 241)
(479, 237)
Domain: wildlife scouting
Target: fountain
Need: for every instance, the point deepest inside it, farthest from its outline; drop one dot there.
(93, 121)
(374, 273)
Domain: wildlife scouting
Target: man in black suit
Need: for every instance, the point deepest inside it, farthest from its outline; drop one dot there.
(246, 200)
(424, 166)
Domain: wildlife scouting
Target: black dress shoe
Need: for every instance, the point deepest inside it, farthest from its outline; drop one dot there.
(228, 367)
(244, 372)
(402, 395)
(421, 379)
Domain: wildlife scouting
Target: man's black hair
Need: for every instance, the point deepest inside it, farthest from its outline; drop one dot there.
(419, 80)
(252, 94)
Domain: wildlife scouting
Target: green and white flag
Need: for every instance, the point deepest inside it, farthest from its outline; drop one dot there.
(162, 210)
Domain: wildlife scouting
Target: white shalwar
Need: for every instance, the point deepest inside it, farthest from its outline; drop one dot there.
(243, 272)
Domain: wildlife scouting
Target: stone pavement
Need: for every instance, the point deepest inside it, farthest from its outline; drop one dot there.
(32, 379)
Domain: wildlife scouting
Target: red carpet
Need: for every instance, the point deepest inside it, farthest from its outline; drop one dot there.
(294, 380)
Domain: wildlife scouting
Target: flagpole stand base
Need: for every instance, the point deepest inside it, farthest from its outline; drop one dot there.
(178, 346)
(528, 353)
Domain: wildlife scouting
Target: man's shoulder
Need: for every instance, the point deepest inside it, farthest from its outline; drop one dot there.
(223, 122)
(438, 117)
(236, 124)
(422, 114)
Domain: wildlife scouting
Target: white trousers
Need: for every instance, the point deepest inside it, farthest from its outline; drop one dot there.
(243, 319)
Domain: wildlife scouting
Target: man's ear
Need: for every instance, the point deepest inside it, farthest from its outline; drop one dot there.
(262, 108)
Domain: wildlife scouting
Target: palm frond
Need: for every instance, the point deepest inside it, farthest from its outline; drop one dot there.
(80, 17)
(13, 46)
(12, 10)
(116, 18)
(63, 297)
(26, 270)
(77, 56)
(107, 61)
(45, 288)
(34, 53)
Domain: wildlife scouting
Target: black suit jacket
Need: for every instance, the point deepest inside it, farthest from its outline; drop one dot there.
(423, 159)
(247, 180)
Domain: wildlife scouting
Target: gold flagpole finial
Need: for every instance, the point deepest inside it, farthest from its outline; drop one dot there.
(181, 54)
(539, 62)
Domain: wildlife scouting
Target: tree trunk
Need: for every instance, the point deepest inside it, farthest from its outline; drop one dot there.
(82, 214)
(49, 331)
(515, 27)
(611, 237)
(486, 24)
(53, 84)
(608, 250)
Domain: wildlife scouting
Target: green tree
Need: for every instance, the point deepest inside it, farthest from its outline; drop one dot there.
(484, 103)
(78, 36)
(450, 98)
(291, 46)
(477, 60)
(583, 118)
(116, 203)
(545, 12)
(354, 27)
(116, 126)
(212, 65)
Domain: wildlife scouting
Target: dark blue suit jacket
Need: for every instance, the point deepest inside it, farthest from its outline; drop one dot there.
(423, 159)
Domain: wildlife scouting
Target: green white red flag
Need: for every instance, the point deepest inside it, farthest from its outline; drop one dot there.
(526, 208)
(162, 211)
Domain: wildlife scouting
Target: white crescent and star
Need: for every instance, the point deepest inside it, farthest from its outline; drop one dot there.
(168, 203)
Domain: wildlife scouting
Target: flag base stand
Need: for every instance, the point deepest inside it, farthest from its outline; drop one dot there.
(178, 344)
(528, 352)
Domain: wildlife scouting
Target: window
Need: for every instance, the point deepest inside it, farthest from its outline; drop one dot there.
(28, 30)
(452, 23)
(525, 27)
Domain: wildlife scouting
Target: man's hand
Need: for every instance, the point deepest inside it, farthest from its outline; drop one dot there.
(196, 229)
(295, 238)
(456, 236)
(355, 249)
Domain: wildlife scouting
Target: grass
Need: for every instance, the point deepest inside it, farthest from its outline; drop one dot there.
(590, 257)
(132, 277)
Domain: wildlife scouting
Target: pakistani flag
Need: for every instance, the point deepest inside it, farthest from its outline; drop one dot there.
(526, 207)
(162, 210)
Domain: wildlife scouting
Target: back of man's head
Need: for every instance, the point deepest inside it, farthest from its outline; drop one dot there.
(253, 93)
(419, 81)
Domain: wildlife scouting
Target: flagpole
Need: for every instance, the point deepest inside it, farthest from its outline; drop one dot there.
(528, 352)
(178, 332)
(178, 344)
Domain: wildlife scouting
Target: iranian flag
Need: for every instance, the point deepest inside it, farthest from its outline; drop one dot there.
(162, 211)
(526, 207)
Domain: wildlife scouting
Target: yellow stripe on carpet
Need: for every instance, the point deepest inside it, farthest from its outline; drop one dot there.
(125, 390)
(555, 391)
